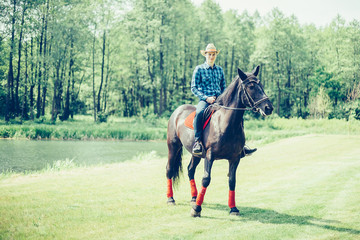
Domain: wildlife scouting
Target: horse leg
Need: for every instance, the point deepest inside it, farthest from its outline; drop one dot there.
(191, 173)
(232, 182)
(196, 209)
(173, 168)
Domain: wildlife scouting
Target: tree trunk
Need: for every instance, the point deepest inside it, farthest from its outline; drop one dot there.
(288, 86)
(263, 74)
(107, 77)
(93, 79)
(17, 103)
(38, 101)
(226, 70)
(32, 84)
(184, 90)
(162, 104)
(10, 79)
(232, 61)
(72, 95)
(43, 103)
(278, 84)
(102, 72)
(45, 80)
(24, 114)
(125, 112)
(66, 114)
(57, 93)
(151, 74)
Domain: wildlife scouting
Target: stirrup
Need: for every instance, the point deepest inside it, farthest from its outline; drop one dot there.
(198, 153)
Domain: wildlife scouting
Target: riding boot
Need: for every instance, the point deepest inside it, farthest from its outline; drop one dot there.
(249, 151)
(197, 148)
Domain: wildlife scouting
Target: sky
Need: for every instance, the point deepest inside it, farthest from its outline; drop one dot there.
(319, 12)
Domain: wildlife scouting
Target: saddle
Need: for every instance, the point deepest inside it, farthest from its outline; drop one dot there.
(189, 120)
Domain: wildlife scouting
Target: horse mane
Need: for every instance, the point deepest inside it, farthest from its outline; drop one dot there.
(230, 93)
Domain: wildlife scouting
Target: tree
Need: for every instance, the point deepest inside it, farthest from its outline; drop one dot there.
(96, 57)
(320, 104)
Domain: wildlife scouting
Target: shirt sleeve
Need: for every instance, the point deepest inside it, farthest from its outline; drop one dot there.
(195, 85)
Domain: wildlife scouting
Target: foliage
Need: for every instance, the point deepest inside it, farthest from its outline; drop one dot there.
(357, 113)
(127, 58)
(152, 127)
(102, 117)
(320, 104)
(61, 165)
(84, 129)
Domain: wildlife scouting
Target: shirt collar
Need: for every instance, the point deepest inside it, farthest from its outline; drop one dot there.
(207, 66)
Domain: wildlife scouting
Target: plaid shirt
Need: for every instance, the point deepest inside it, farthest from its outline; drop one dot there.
(207, 81)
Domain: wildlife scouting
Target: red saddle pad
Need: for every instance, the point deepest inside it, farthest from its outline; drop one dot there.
(189, 120)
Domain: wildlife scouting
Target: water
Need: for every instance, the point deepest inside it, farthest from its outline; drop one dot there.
(25, 155)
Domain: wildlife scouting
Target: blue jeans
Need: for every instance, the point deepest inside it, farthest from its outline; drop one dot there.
(198, 119)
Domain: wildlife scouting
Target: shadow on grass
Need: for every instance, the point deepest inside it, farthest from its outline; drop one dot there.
(273, 217)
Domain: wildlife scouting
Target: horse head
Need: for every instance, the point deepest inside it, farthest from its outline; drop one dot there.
(252, 93)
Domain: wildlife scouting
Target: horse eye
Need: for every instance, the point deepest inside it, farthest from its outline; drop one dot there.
(252, 86)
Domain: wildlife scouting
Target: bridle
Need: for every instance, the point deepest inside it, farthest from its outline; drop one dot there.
(253, 105)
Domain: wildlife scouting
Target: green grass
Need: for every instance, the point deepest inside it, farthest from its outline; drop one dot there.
(261, 131)
(297, 188)
(272, 128)
(83, 128)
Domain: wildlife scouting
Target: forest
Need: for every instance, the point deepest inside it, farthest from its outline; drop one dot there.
(128, 58)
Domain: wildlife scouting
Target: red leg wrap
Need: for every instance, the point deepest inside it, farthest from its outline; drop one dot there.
(200, 197)
(193, 188)
(232, 199)
(169, 188)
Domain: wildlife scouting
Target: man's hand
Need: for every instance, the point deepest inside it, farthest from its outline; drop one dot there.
(211, 100)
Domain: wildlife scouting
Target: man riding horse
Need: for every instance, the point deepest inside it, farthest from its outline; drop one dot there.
(208, 82)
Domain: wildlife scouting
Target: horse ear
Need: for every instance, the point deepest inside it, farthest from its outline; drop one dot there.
(256, 70)
(242, 75)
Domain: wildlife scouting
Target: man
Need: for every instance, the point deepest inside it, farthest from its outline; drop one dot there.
(207, 83)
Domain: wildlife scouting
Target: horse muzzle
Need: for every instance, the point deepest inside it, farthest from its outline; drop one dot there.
(265, 109)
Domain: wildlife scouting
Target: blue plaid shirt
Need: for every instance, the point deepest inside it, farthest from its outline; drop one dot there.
(207, 81)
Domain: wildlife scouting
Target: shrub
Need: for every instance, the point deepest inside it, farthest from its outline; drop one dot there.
(340, 113)
(357, 113)
(102, 117)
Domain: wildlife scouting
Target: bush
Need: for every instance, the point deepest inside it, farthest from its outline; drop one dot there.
(340, 113)
(102, 117)
(357, 113)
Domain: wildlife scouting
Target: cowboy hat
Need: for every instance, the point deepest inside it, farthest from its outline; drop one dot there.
(209, 48)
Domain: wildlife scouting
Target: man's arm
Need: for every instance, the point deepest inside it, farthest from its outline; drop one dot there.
(195, 85)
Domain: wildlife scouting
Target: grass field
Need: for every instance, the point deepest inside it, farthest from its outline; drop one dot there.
(305, 187)
(263, 130)
(84, 128)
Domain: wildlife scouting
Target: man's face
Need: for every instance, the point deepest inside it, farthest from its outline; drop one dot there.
(210, 58)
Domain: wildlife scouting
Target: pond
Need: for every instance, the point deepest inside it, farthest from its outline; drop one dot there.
(25, 155)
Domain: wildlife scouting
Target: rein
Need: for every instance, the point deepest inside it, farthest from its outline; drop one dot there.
(232, 108)
(251, 101)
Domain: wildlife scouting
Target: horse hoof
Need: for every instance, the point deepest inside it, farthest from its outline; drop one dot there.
(194, 213)
(193, 201)
(234, 212)
(171, 201)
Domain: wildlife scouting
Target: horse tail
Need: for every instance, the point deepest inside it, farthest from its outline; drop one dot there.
(174, 166)
(177, 165)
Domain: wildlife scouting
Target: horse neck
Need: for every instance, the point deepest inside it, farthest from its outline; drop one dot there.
(232, 99)
(234, 117)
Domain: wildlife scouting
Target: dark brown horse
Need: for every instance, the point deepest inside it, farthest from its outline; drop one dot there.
(223, 137)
